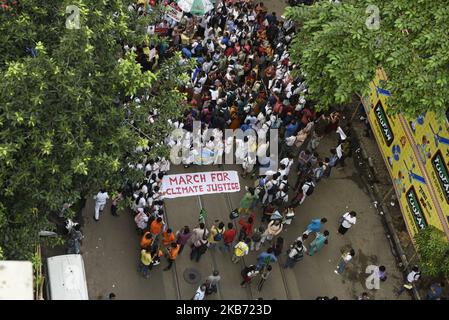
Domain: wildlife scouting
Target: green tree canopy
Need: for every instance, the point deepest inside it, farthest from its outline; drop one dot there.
(433, 250)
(63, 131)
(339, 48)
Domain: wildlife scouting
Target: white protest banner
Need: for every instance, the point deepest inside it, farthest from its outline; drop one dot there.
(193, 184)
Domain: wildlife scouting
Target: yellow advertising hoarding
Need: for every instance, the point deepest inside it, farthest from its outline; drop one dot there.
(417, 154)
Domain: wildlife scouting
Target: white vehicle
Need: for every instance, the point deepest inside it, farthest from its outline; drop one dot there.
(16, 280)
(66, 278)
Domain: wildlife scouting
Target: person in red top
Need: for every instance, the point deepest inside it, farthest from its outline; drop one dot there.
(156, 226)
(247, 227)
(168, 237)
(228, 237)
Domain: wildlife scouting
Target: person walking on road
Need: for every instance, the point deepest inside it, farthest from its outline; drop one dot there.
(315, 225)
(172, 254)
(200, 292)
(248, 274)
(306, 190)
(247, 201)
(412, 277)
(146, 241)
(157, 226)
(256, 238)
(212, 282)
(294, 254)
(141, 220)
(182, 237)
(318, 243)
(246, 227)
(264, 275)
(115, 201)
(228, 237)
(345, 258)
(265, 258)
(199, 242)
(168, 237)
(382, 273)
(347, 221)
(278, 246)
(100, 201)
(145, 263)
(241, 249)
(216, 233)
(274, 228)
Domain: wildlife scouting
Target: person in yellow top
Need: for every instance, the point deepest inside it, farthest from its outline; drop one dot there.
(241, 249)
(216, 234)
(145, 262)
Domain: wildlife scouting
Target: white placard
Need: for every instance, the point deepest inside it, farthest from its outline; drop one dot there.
(198, 183)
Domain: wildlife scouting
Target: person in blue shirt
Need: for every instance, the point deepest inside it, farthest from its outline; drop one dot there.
(271, 18)
(315, 225)
(435, 291)
(291, 129)
(266, 258)
(246, 126)
(186, 52)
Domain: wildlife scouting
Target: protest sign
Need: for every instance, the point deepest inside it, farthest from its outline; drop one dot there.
(192, 184)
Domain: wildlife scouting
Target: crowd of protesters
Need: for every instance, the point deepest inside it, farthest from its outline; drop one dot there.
(243, 79)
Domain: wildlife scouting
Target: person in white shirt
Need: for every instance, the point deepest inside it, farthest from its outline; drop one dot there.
(345, 258)
(412, 277)
(307, 189)
(288, 162)
(271, 188)
(141, 219)
(348, 220)
(294, 254)
(282, 196)
(140, 202)
(100, 201)
(282, 170)
(200, 292)
(342, 134)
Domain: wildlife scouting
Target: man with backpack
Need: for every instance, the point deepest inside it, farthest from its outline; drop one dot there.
(212, 282)
(199, 242)
(318, 172)
(271, 188)
(306, 190)
(294, 254)
(412, 277)
(256, 238)
(216, 233)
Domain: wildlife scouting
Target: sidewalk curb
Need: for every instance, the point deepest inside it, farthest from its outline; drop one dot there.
(383, 211)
